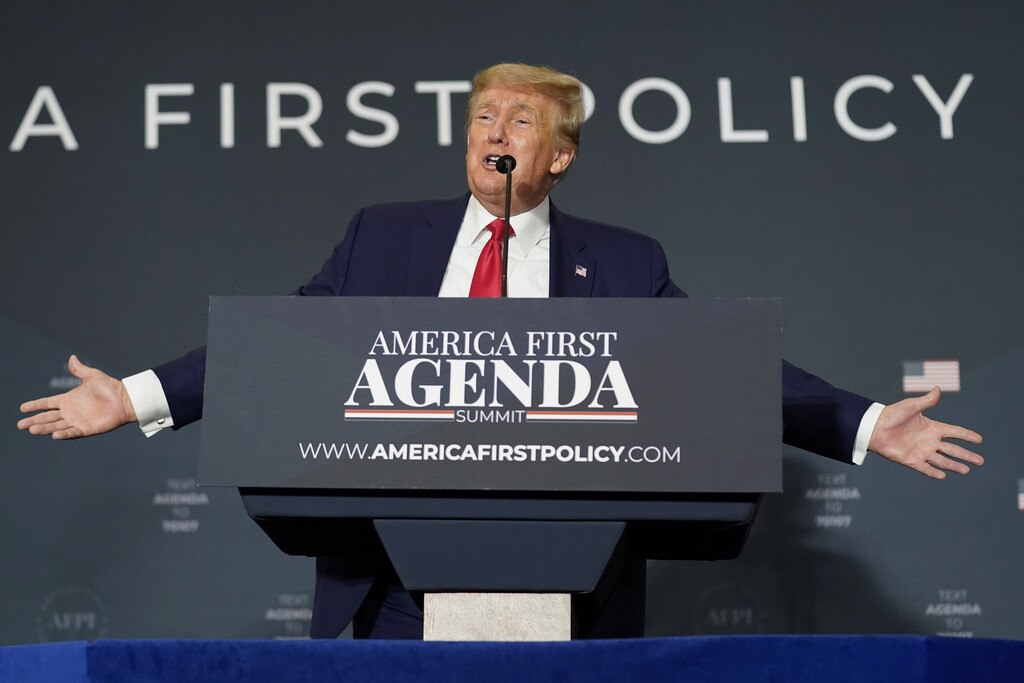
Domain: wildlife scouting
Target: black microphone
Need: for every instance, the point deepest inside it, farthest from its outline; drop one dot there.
(504, 165)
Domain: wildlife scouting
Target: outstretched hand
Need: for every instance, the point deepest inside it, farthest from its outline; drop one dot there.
(904, 435)
(99, 404)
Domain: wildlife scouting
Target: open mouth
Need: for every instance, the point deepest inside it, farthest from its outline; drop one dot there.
(490, 160)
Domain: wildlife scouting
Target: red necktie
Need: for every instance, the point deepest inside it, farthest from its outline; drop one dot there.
(487, 276)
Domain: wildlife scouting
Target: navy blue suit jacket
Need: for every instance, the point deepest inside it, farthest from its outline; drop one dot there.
(403, 250)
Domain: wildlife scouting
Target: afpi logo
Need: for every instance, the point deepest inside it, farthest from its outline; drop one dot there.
(71, 613)
(487, 376)
(728, 607)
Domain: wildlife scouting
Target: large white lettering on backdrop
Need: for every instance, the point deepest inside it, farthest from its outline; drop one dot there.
(170, 104)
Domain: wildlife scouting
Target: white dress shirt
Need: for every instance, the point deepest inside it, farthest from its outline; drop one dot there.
(528, 251)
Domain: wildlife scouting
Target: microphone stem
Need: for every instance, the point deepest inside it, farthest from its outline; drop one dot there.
(504, 237)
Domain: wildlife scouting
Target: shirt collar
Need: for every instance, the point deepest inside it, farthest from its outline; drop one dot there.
(530, 226)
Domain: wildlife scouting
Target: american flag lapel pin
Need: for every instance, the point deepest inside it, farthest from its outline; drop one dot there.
(581, 271)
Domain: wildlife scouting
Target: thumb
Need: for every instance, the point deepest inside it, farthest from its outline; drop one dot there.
(929, 400)
(77, 367)
(932, 397)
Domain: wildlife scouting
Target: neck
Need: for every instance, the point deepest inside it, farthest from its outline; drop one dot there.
(496, 206)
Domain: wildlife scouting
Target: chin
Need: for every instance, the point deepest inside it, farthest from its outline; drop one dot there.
(491, 190)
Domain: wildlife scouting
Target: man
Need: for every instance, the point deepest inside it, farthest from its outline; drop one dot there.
(447, 248)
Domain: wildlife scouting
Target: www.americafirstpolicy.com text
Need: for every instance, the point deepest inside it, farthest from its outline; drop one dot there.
(490, 452)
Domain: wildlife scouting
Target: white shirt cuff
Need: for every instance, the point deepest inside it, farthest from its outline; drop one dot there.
(867, 427)
(150, 403)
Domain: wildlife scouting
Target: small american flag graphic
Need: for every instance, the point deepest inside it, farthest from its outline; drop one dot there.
(922, 375)
(581, 271)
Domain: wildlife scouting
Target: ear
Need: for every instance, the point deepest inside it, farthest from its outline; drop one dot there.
(563, 159)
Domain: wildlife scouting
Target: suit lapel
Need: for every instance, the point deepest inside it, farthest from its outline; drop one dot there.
(430, 247)
(572, 270)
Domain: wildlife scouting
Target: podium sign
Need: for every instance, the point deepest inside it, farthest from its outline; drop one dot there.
(587, 395)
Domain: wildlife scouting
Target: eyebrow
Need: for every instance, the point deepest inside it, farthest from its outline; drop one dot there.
(517, 105)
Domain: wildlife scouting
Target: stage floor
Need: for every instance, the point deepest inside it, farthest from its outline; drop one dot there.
(835, 659)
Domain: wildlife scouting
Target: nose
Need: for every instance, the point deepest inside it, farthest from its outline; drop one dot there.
(496, 132)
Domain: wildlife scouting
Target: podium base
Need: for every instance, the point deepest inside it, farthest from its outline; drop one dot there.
(497, 616)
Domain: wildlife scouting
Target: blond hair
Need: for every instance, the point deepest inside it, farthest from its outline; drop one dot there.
(563, 89)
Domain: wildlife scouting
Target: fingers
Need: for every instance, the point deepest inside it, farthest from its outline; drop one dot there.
(937, 464)
(55, 423)
(39, 419)
(943, 463)
(960, 453)
(51, 423)
(47, 403)
(36, 421)
(68, 433)
(949, 431)
(927, 469)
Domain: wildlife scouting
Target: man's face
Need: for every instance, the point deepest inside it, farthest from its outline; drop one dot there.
(520, 123)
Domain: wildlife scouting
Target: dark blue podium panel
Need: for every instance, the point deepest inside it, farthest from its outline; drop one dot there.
(627, 395)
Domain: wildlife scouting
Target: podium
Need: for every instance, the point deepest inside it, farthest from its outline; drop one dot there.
(515, 447)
